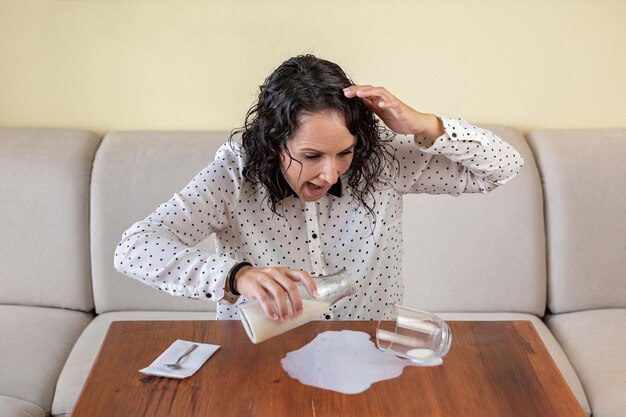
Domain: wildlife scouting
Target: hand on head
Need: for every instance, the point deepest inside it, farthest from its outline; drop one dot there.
(274, 288)
(397, 115)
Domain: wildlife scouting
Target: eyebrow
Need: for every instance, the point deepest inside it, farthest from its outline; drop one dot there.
(316, 150)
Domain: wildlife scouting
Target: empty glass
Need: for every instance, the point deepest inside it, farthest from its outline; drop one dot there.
(330, 289)
(417, 335)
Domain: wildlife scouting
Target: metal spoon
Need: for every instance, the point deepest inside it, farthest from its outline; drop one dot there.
(176, 365)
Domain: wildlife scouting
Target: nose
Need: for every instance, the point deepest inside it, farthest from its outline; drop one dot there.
(330, 172)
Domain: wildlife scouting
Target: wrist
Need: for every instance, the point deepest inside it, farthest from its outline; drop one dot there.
(429, 127)
(231, 285)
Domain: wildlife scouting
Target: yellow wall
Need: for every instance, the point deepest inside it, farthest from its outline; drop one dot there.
(182, 64)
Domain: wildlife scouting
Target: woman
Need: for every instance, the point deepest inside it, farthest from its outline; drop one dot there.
(315, 186)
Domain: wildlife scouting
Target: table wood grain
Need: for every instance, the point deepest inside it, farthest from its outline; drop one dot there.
(493, 369)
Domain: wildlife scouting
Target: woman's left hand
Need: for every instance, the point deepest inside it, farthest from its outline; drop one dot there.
(398, 116)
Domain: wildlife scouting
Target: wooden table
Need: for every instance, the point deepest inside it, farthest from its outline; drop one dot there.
(492, 369)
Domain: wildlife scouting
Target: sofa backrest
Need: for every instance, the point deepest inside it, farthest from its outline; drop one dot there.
(585, 192)
(468, 253)
(478, 252)
(44, 217)
(134, 172)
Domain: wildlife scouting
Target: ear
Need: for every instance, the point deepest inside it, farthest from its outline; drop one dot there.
(285, 160)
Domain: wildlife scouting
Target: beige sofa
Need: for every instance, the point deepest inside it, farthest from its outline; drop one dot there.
(549, 247)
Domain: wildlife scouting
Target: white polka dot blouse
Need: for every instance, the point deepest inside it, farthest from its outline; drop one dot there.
(320, 237)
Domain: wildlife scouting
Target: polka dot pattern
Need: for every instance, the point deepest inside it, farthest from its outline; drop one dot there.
(319, 237)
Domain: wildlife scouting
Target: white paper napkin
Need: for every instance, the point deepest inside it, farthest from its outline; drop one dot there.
(189, 365)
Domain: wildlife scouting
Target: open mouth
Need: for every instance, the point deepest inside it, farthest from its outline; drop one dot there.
(316, 189)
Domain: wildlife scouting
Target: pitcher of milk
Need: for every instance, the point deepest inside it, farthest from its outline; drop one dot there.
(330, 289)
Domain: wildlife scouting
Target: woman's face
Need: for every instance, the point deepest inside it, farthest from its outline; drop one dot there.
(324, 147)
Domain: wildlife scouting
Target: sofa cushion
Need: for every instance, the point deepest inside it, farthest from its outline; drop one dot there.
(594, 341)
(559, 357)
(13, 407)
(39, 343)
(134, 172)
(478, 252)
(44, 217)
(584, 176)
(86, 349)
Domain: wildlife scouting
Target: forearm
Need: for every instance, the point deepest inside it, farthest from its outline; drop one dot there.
(483, 155)
(465, 159)
(153, 256)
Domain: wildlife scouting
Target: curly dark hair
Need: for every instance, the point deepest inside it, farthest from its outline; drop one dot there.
(301, 85)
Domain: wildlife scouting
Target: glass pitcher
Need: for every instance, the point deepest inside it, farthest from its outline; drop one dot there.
(330, 289)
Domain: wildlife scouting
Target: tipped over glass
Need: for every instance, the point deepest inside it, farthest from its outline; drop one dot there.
(417, 335)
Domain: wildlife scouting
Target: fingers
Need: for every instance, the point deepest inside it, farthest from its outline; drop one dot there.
(305, 279)
(286, 284)
(378, 97)
(396, 115)
(274, 289)
(271, 295)
(265, 301)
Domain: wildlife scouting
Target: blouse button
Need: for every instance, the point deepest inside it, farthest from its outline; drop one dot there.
(314, 235)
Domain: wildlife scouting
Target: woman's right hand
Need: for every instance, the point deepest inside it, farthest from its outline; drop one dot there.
(272, 287)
